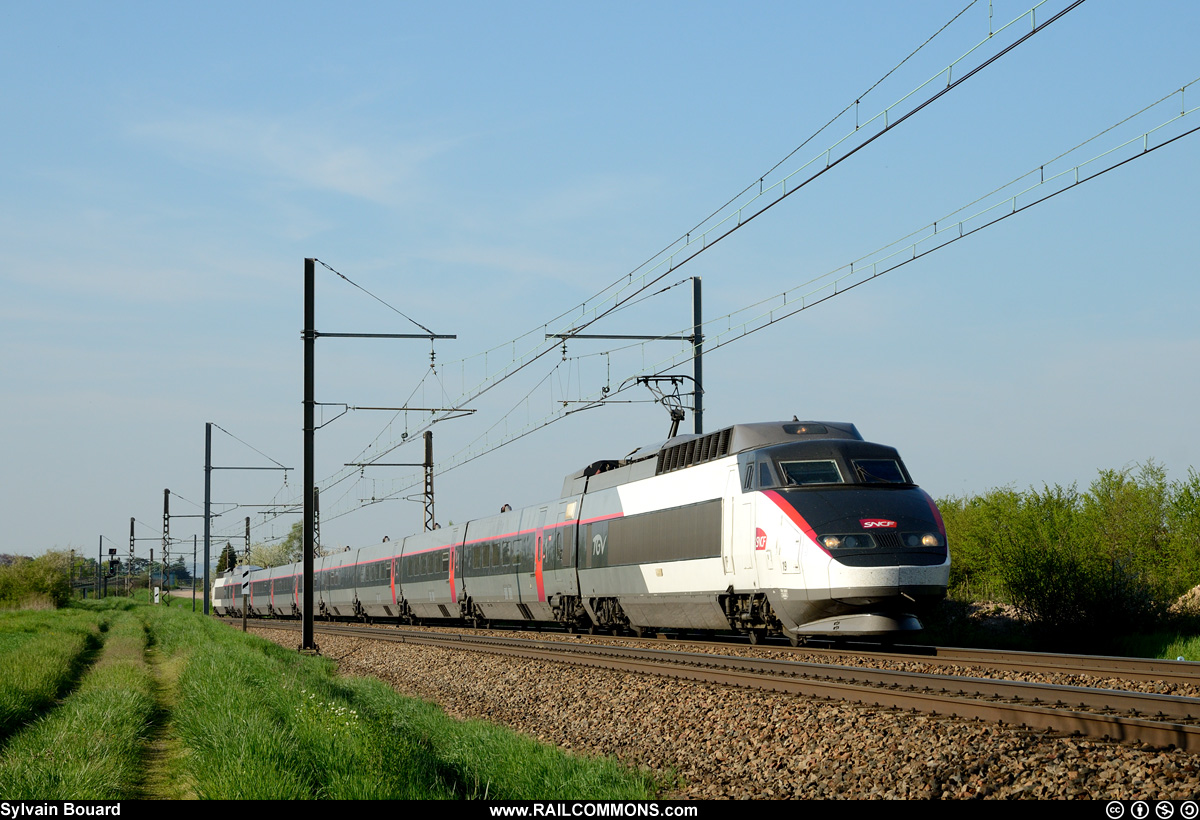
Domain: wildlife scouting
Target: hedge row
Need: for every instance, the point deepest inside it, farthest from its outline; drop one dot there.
(1114, 557)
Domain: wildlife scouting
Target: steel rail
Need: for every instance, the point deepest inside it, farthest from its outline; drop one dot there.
(1146, 703)
(1134, 703)
(699, 667)
(1104, 666)
(1186, 673)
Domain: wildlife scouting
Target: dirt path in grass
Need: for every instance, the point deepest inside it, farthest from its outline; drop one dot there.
(164, 778)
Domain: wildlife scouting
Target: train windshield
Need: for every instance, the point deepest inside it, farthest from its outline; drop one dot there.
(878, 471)
(810, 472)
(830, 464)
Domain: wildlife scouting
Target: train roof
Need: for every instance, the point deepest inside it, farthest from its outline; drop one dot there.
(691, 449)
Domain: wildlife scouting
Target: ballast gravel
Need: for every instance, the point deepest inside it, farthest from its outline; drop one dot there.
(716, 742)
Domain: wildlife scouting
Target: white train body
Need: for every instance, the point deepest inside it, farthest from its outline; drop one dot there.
(793, 528)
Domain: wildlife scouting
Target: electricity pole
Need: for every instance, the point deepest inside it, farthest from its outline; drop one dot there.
(310, 334)
(697, 340)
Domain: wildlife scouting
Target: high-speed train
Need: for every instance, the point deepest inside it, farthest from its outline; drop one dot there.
(787, 528)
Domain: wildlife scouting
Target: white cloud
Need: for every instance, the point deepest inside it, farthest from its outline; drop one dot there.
(302, 153)
(514, 260)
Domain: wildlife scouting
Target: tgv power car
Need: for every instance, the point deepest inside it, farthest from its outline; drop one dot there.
(792, 528)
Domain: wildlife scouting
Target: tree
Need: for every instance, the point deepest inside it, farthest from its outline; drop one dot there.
(180, 571)
(228, 559)
(287, 551)
(293, 543)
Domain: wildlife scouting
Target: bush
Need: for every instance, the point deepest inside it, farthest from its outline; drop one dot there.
(36, 583)
(1109, 560)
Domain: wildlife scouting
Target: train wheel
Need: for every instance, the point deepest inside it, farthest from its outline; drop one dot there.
(794, 639)
(757, 636)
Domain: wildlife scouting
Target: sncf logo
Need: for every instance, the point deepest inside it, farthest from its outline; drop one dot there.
(760, 539)
(875, 523)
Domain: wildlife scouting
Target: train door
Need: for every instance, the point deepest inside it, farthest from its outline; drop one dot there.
(461, 557)
(764, 557)
(743, 541)
(733, 492)
(534, 588)
(737, 547)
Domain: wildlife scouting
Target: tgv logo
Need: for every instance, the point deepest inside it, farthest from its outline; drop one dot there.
(873, 523)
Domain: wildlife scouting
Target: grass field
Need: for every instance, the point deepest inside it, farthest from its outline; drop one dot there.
(133, 701)
(118, 699)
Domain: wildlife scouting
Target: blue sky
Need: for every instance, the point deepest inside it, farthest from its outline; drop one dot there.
(483, 167)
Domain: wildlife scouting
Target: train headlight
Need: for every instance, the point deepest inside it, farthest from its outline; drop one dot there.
(928, 539)
(931, 540)
(857, 541)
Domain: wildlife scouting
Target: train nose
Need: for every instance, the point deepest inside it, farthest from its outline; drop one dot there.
(863, 586)
(871, 586)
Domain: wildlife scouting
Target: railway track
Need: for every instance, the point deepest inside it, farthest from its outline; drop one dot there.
(1107, 713)
(1182, 672)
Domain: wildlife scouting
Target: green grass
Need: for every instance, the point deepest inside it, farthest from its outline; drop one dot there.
(90, 746)
(42, 655)
(263, 722)
(252, 720)
(248, 720)
(948, 625)
(1169, 644)
(475, 759)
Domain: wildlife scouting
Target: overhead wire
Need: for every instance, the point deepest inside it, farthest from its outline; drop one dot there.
(946, 222)
(818, 132)
(376, 298)
(1009, 201)
(541, 348)
(251, 446)
(502, 419)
